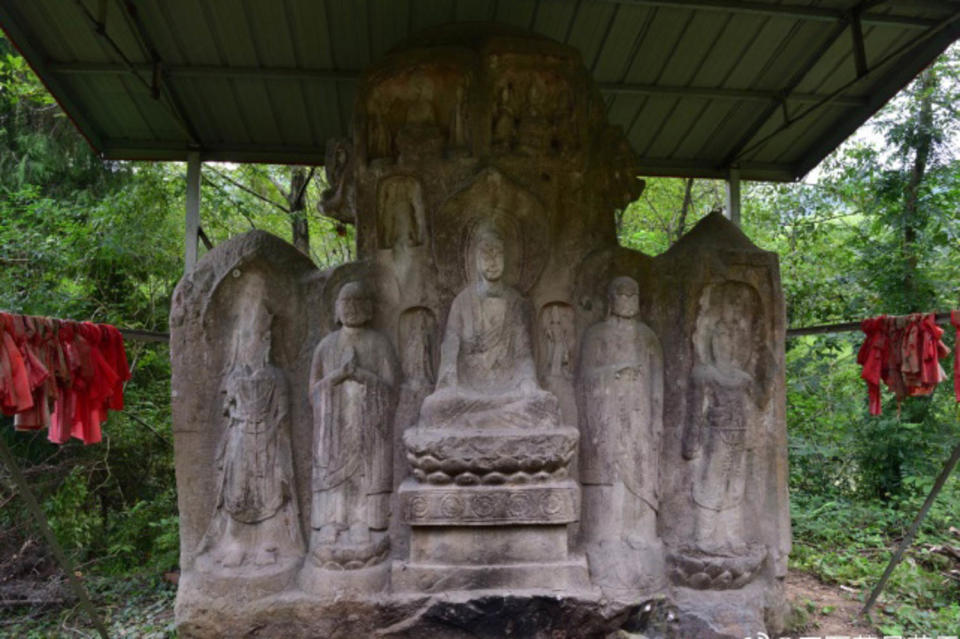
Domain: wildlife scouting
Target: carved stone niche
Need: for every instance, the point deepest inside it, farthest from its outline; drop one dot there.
(237, 324)
(489, 501)
(724, 512)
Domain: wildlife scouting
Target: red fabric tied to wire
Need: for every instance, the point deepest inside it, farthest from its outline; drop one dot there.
(76, 368)
(904, 353)
(874, 356)
(955, 320)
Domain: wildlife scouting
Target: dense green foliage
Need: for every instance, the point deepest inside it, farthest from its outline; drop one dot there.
(875, 232)
(103, 241)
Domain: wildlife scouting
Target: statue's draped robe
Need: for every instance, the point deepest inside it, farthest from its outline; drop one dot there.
(486, 350)
(352, 467)
(721, 402)
(256, 507)
(622, 399)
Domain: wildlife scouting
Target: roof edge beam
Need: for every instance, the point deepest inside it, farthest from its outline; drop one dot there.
(796, 11)
(275, 73)
(759, 171)
(722, 94)
(264, 73)
(902, 75)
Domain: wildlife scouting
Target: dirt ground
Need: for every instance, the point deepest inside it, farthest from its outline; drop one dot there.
(831, 611)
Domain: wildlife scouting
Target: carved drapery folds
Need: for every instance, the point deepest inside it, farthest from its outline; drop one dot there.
(495, 396)
(353, 380)
(255, 524)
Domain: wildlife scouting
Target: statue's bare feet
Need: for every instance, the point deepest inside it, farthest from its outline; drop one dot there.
(232, 557)
(327, 534)
(359, 533)
(266, 556)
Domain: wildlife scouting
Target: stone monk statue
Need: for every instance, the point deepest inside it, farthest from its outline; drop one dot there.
(621, 378)
(487, 376)
(621, 385)
(353, 381)
(255, 524)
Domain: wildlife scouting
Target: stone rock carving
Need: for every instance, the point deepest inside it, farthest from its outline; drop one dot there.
(336, 198)
(419, 349)
(487, 375)
(504, 126)
(621, 381)
(256, 525)
(353, 382)
(483, 179)
(556, 355)
(720, 436)
(460, 119)
(401, 223)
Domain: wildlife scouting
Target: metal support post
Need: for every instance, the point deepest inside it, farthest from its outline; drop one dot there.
(733, 196)
(192, 234)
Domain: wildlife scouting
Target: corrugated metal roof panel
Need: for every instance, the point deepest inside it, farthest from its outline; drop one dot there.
(699, 85)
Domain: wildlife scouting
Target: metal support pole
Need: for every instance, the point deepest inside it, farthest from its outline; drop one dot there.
(912, 532)
(191, 237)
(31, 502)
(733, 196)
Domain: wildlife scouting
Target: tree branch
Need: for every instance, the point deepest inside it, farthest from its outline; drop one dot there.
(244, 187)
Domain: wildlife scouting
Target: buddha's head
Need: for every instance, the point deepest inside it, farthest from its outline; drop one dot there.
(354, 306)
(490, 255)
(623, 297)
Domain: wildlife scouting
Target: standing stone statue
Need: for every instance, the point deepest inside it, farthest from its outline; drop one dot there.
(255, 525)
(621, 381)
(487, 374)
(717, 437)
(723, 428)
(353, 381)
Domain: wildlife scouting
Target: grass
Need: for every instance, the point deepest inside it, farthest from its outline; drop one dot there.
(850, 543)
(136, 607)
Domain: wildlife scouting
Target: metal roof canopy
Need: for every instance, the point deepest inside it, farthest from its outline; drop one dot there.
(701, 87)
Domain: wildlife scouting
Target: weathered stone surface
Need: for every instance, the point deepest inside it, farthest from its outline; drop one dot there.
(547, 503)
(511, 427)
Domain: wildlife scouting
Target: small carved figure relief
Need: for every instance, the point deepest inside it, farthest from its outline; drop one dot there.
(401, 236)
(401, 221)
(459, 119)
(727, 390)
(418, 343)
(338, 164)
(556, 354)
(487, 374)
(420, 135)
(379, 139)
(353, 381)
(504, 120)
(534, 135)
(255, 525)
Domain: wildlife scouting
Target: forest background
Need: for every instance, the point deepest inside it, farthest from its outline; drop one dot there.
(875, 229)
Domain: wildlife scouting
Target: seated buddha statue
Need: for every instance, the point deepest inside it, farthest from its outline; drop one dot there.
(487, 377)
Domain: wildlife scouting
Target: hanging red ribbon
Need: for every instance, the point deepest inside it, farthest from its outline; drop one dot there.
(955, 320)
(77, 368)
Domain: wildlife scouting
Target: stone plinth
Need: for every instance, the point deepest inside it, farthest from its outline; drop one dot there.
(488, 537)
